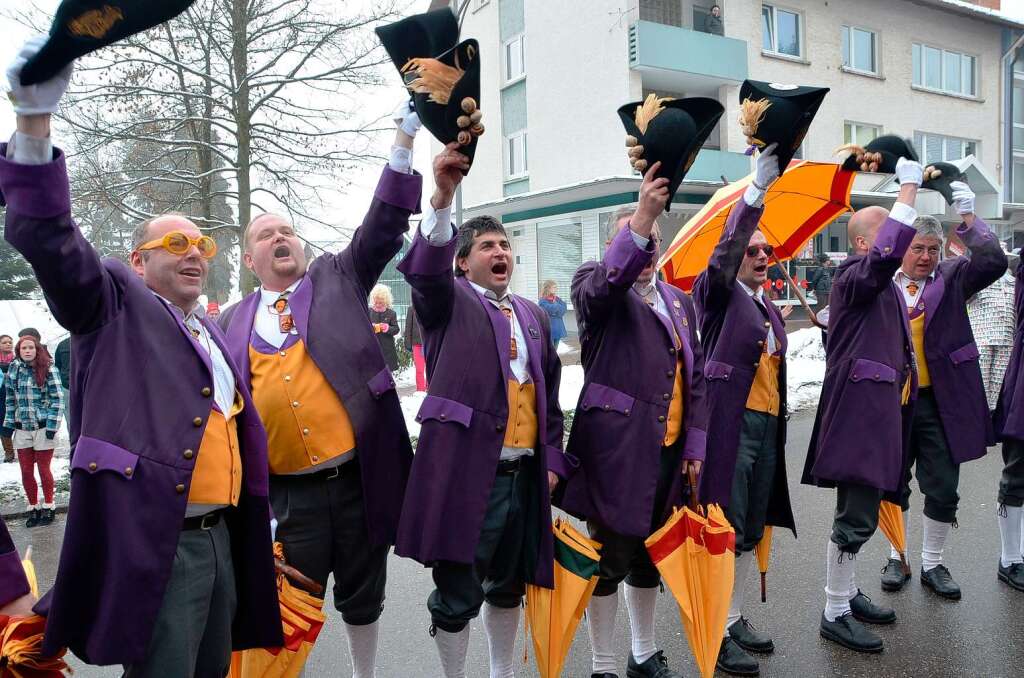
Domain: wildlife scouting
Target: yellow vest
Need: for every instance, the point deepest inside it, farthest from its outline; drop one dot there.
(674, 425)
(217, 475)
(764, 392)
(917, 336)
(305, 420)
(521, 428)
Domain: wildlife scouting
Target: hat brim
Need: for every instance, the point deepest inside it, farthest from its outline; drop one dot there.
(785, 123)
(420, 35)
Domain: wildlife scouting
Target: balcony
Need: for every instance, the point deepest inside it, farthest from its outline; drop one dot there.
(674, 59)
(711, 165)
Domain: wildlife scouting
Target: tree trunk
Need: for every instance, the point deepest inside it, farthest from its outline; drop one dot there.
(242, 114)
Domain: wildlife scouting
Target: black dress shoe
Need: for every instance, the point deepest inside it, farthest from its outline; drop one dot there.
(1012, 575)
(869, 613)
(656, 666)
(34, 518)
(46, 516)
(939, 579)
(733, 660)
(604, 675)
(849, 633)
(747, 637)
(894, 576)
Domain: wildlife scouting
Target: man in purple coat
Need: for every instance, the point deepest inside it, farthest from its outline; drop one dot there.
(166, 564)
(869, 377)
(950, 424)
(477, 509)
(639, 426)
(339, 450)
(744, 341)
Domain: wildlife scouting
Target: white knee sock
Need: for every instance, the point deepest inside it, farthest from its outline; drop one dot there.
(362, 645)
(1021, 532)
(1009, 534)
(893, 553)
(839, 582)
(501, 624)
(640, 603)
(601, 628)
(935, 534)
(739, 586)
(452, 649)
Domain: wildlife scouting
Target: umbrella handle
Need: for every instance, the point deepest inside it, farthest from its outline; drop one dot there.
(906, 565)
(299, 579)
(691, 480)
(764, 588)
(799, 295)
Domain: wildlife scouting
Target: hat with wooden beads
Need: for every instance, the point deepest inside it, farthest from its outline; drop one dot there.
(879, 155)
(669, 131)
(939, 175)
(771, 112)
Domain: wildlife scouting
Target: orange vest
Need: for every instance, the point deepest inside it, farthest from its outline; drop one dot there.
(521, 428)
(674, 425)
(764, 392)
(217, 476)
(306, 422)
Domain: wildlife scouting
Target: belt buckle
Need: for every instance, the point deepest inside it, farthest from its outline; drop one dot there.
(212, 518)
(333, 473)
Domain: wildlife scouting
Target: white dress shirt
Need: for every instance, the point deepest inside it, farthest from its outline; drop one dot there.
(903, 281)
(758, 296)
(267, 322)
(659, 304)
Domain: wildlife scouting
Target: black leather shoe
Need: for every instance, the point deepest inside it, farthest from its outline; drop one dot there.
(656, 666)
(734, 660)
(939, 579)
(1012, 575)
(894, 576)
(604, 675)
(46, 516)
(869, 613)
(849, 633)
(747, 637)
(34, 518)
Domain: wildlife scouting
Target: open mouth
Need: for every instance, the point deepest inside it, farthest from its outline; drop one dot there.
(193, 273)
(282, 251)
(500, 268)
(760, 268)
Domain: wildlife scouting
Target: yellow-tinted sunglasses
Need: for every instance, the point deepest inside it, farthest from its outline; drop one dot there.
(178, 243)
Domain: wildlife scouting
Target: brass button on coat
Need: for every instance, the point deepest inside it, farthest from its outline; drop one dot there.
(128, 471)
(207, 392)
(197, 422)
(666, 396)
(93, 466)
(179, 488)
(188, 454)
(661, 418)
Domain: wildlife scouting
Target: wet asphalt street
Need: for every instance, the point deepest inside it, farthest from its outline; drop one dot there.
(981, 635)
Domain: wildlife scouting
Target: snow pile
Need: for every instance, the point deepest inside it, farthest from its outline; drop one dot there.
(805, 369)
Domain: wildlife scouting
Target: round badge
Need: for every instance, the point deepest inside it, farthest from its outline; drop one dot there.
(776, 85)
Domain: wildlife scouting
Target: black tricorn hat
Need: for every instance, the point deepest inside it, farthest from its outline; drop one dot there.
(774, 113)
(442, 74)
(888, 149)
(939, 175)
(83, 26)
(670, 131)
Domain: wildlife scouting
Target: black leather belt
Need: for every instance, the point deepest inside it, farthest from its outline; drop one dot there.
(203, 522)
(507, 466)
(326, 474)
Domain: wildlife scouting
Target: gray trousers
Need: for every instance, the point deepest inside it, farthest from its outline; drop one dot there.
(856, 517)
(192, 634)
(1011, 484)
(937, 476)
(753, 478)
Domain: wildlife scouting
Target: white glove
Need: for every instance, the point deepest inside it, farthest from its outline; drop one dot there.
(909, 172)
(766, 168)
(406, 119)
(963, 197)
(35, 99)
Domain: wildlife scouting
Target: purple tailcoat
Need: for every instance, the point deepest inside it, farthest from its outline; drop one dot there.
(629, 357)
(1009, 414)
(329, 307)
(466, 341)
(949, 344)
(13, 584)
(138, 381)
(734, 331)
(858, 434)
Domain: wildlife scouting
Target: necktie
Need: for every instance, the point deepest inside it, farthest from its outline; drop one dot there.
(912, 288)
(285, 321)
(513, 349)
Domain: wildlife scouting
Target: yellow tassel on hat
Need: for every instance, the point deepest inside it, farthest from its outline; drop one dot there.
(432, 77)
(751, 116)
(649, 110)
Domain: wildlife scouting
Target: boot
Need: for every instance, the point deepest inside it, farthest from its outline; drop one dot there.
(34, 518)
(46, 516)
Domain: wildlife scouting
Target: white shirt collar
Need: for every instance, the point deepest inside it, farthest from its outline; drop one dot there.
(197, 311)
(758, 293)
(268, 297)
(490, 294)
(900, 276)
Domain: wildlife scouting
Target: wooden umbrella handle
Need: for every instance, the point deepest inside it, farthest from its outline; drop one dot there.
(799, 295)
(691, 480)
(299, 579)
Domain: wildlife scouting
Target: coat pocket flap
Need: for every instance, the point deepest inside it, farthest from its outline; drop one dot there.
(381, 383)
(864, 369)
(717, 370)
(92, 456)
(442, 409)
(965, 354)
(606, 398)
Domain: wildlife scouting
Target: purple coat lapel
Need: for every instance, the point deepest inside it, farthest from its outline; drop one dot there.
(778, 327)
(238, 334)
(502, 329)
(203, 355)
(300, 301)
(677, 334)
(528, 324)
(931, 297)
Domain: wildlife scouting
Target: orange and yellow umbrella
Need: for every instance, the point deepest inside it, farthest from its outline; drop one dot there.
(21, 640)
(695, 555)
(890, 520)
(302, 618)
(554, 614)
(763, 550)
(805, 199)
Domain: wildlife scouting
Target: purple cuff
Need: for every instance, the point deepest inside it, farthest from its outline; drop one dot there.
(35, 191)
(893, 239)
(624, 260)
(975, 233)
(696, 444)
(13, 584)
(560, 463)
(426, 259)
(399, 189)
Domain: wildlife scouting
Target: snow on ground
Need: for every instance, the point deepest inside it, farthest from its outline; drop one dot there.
(570, 387)
(805, 369)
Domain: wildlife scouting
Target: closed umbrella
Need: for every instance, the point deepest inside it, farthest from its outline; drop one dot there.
(890, 520)
(21, 640)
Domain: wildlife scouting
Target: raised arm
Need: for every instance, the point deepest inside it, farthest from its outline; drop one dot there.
(987, 261)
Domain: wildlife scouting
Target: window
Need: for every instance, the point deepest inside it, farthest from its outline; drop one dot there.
(939, 148)
(780, 31)
(515, 155)
(860, 49)
(1018, 180)
(559, 252)
(945, 71)
(515, 58)
(666, 12)
(859, 133)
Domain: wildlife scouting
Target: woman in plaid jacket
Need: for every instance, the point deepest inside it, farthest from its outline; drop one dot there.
(33, 410)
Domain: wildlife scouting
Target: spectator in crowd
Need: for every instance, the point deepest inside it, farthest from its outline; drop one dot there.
(212, 310)
(713, 21)
(821, 281)
(385, 323)
(412, 337)
(33, 409)
(555, 308)
(6, 356)
(991, 312)
(62, 361)
(6, 351)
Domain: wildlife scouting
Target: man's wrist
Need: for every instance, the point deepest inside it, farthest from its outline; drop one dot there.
(441, 199)
(34, 125)
(641, 224)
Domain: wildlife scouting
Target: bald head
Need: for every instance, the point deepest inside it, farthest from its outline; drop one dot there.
(863, 227)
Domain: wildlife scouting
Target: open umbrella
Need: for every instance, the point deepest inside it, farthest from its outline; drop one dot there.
(21, 640)
(763, 550)
(695, 554)
(554, 614)
(890, 520)
(805, 199)
(302, 618)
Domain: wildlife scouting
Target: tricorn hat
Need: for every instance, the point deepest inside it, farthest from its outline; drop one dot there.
(939, 175)
(670, 131)
(442, 74)
(879, 155)
(774, 113)
(83, 26)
